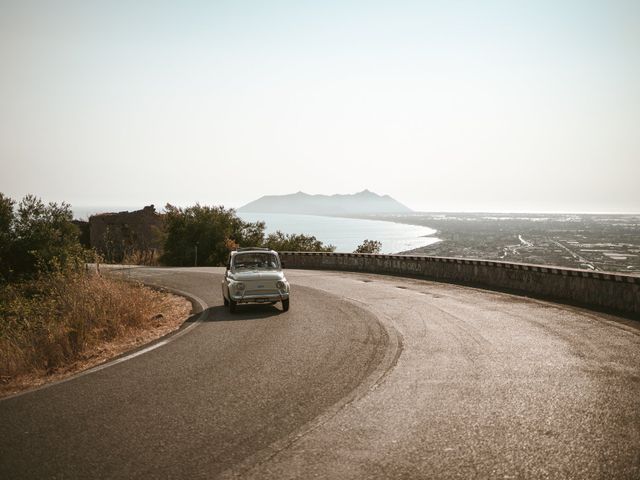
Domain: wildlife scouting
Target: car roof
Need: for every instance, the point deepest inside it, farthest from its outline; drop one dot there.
(253, 250)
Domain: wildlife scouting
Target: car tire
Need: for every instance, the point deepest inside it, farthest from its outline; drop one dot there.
(232, 306)
(226, 302)
(285, 305)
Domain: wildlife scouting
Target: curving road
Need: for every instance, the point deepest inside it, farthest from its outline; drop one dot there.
(365, 377)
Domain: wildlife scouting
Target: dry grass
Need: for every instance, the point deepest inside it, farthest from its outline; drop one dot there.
(61, 324)
(141, 257)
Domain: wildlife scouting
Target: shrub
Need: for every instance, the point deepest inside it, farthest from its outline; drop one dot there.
(207, 232)
(296, 243)
(369, 246)
(37, 238)
(6, 235)
(48, 322)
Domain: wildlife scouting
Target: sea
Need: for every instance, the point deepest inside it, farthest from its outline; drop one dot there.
(347, 233)
(343, 233)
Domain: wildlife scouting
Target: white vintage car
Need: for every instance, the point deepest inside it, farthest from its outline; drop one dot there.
(254, 275)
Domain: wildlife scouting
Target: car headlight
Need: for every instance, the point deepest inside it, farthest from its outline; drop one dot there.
(281, 285)
(239, 286)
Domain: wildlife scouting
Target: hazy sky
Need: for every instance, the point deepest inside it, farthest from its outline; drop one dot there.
(450, 105)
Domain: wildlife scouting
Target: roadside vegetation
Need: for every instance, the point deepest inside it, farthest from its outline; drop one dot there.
(204, 235)
(369, 246)
(51, 321)
(53, 311)
(36, 239)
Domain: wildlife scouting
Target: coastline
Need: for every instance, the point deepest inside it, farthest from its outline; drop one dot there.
(347, 232)
(394, 219)
(599, 242)
(389, 218)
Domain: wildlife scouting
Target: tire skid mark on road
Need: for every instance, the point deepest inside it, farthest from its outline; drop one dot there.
(503, 383)
(456, 324)
(584, 348)
(370, 383)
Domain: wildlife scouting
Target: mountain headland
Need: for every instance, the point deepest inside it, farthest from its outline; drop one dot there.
(364, 202)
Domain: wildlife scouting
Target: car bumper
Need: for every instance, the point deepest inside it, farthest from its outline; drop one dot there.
(260, 298)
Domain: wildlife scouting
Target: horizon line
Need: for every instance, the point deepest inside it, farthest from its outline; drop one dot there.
(413, 212)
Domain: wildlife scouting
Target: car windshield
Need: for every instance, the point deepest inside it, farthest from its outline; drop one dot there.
(253, 261)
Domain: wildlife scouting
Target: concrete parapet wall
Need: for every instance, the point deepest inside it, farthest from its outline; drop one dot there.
(603, 291)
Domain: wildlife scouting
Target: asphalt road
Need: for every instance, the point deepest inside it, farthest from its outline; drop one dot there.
(365, 377)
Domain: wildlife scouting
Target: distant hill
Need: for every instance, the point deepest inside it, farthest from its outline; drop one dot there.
(362, 202)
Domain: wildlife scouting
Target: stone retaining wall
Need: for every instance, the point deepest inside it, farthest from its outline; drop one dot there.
(604, 291)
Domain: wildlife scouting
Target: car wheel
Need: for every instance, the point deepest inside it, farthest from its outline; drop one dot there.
(232, 306)
(226, 302)
(285, 305)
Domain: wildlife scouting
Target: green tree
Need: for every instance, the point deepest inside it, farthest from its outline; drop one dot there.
(37, 237)
(6, 234)
(369, 246)
(296, 243)
(252, 234)
(213, 231)
(205, 231)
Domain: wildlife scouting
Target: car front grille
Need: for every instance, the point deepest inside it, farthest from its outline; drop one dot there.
(262, 291)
